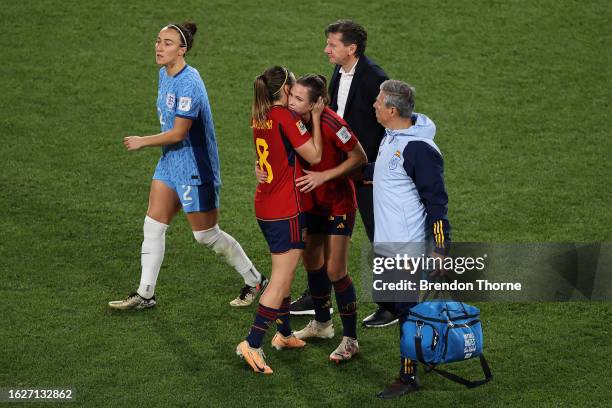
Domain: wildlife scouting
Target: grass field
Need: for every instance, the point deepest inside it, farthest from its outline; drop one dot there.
(520, 93)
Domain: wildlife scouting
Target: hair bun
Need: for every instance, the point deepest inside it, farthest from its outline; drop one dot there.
(191, 27)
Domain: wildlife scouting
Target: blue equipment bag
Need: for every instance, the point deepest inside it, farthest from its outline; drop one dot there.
(439, 332)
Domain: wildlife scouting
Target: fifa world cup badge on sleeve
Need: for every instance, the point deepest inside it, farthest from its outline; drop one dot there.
(301, 127)
(343, 134)
(184, 104)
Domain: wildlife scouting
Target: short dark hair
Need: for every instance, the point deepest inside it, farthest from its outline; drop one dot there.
(317, 87)
(352, 33)
(400, 96)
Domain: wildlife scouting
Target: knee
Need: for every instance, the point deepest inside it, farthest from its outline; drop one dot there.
(312, 264)
(208, 237)
(277, 291)
(215, 239)
(153, 228)
(335, 271)
(313, 259)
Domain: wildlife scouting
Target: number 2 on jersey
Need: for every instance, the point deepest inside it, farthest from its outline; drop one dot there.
(263, 153)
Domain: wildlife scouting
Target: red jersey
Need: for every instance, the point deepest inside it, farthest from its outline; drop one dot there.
(275, 143)
(337, 196)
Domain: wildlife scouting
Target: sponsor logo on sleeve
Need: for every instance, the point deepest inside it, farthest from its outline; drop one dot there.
(343, 134)
(184, 104)
(301, 127)
(170, 100)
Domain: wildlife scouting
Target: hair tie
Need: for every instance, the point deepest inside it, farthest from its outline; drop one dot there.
(284, 82)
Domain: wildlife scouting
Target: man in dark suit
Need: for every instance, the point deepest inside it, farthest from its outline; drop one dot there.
(353, 89)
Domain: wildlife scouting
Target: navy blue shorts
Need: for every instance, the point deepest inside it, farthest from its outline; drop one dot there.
(332, 225)
(283, 235)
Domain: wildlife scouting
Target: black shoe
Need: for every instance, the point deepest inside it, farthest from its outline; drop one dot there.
(380, 318)
(398, 388)
(304, 305)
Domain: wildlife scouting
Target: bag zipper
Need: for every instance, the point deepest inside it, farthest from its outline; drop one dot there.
(455, 326)
(444, 321)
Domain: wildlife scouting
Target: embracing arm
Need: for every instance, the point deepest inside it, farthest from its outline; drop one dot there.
(355, 159)
(178, 133)
(312, 150)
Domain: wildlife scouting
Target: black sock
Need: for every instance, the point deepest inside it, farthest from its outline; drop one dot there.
(282, 319)
(347, 304)
(320, 290)
(263, 318)
(407, 369)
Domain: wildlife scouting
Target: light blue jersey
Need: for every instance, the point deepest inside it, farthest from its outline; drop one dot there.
(195, 160)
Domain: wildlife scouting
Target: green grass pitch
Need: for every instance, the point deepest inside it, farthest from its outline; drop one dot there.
(520, 92)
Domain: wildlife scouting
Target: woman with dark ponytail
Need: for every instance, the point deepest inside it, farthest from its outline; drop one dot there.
(187, 174)
(330, 222)
(282, 141)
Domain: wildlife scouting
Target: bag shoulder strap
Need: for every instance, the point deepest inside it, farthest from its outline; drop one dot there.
(470, 384)
(453, 377)
(419, 350)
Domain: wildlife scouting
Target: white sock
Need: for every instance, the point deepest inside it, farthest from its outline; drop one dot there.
(152, 255)
(223, 243)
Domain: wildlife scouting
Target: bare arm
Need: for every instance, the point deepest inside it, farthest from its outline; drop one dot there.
(178, 133)
(312, 150)
(313, 179)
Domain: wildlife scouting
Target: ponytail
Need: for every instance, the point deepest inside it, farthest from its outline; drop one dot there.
(262, 103)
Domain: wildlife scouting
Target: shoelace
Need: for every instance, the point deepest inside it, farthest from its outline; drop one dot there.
(245, 291)
(132, 295)
(345, 344)
(261, 353)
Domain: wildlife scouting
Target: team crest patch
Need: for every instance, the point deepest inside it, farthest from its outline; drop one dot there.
(184, 104)
(170, 100)
(343, 134)
(395, 160)
(301, 127)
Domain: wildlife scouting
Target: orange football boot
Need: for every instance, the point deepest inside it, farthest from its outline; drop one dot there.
(254, 357)
(280, 342)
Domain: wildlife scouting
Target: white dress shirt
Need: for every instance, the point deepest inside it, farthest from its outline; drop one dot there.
(346, 78)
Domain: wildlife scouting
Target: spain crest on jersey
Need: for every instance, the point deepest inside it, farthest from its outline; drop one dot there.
(395, 160)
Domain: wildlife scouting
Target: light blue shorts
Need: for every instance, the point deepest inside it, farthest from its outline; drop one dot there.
(202, 198)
